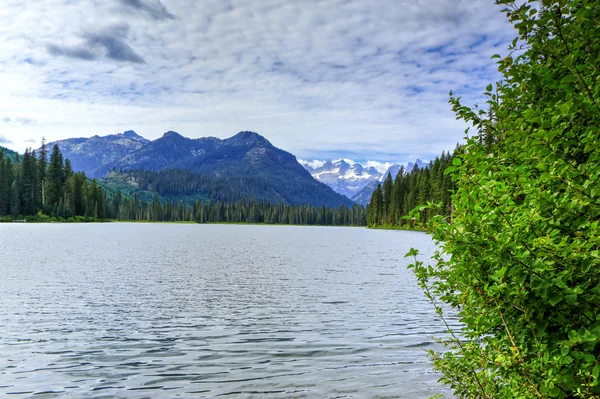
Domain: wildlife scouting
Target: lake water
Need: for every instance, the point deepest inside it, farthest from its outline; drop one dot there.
(163, 310)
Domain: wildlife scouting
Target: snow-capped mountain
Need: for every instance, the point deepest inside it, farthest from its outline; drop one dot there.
(344, 176)
(350, 178)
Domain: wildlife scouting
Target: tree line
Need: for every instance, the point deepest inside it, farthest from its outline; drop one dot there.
(251, 211)
(34, 186)
(394, 200)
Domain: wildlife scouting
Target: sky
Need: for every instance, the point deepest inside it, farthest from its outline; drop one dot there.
(322, 79)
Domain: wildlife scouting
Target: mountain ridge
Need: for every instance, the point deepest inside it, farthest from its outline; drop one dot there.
(92, 154)
(246, 156)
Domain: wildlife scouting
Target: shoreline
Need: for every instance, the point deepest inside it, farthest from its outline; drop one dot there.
(81, 220)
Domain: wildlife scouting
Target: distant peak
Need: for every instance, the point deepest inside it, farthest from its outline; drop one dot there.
(131, 135)
(247, 138)
(248, 134)
(345, 161)
(172, 134)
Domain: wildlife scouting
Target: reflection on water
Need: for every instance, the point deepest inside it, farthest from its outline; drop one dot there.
(146, 310)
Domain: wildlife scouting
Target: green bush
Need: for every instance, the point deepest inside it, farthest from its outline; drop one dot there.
(521, 263)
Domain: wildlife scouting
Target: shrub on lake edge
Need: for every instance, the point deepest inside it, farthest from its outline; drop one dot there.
(523, 249)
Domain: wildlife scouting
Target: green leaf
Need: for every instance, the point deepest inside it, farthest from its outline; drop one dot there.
(554, 297)
(412, 252)
(500, 273)
(456, 161)
(596, 371)
(566, 108)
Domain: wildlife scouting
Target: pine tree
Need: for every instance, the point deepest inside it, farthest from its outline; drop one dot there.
(5, 184)
(68, 170)
(15, 203)
(55, 177)
(388, 186)
(28, 194)
(42, 168)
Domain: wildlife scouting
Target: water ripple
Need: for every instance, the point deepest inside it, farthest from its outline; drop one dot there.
(137, 311)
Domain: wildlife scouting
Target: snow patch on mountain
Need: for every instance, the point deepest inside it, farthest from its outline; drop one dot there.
(348, 177)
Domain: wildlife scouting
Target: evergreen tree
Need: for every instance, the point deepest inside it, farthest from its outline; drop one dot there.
(42, 166)
(68, 170)
(29, 188)
(409, 190)
(55, 176)
(388, 186)
(5, 184)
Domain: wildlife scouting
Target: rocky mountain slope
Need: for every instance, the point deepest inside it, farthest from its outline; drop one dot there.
(247, 164)
(346, 178)
(96, 154)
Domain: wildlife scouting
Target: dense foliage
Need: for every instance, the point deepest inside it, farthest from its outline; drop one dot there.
(34, 186)
(393, 201)
(523, 250)
(238, 212)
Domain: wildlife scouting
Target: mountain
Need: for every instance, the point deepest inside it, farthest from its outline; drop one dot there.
(395, 168)
(343, 176)
(241, 167)
(364, 196)
(347, 177)
(95, 155)
(411, 166)
(353, 179)
(247, 163)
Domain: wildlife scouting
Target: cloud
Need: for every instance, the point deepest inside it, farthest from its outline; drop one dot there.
(24, 120)
(315, 163)
(107, 42)
(21, 120)
(73, 52)
(381, 167)
(322, 79)
(4, 140)
(154, 9)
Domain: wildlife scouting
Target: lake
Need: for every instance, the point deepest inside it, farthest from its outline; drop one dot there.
(166, 310)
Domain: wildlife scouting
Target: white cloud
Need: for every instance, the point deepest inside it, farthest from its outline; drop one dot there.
(322, 79)
(381, 167)
(313, 164)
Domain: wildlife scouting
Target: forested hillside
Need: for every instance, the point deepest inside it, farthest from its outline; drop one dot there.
(394, 200)
(178, 184)
(33, 186)
(9, 153)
